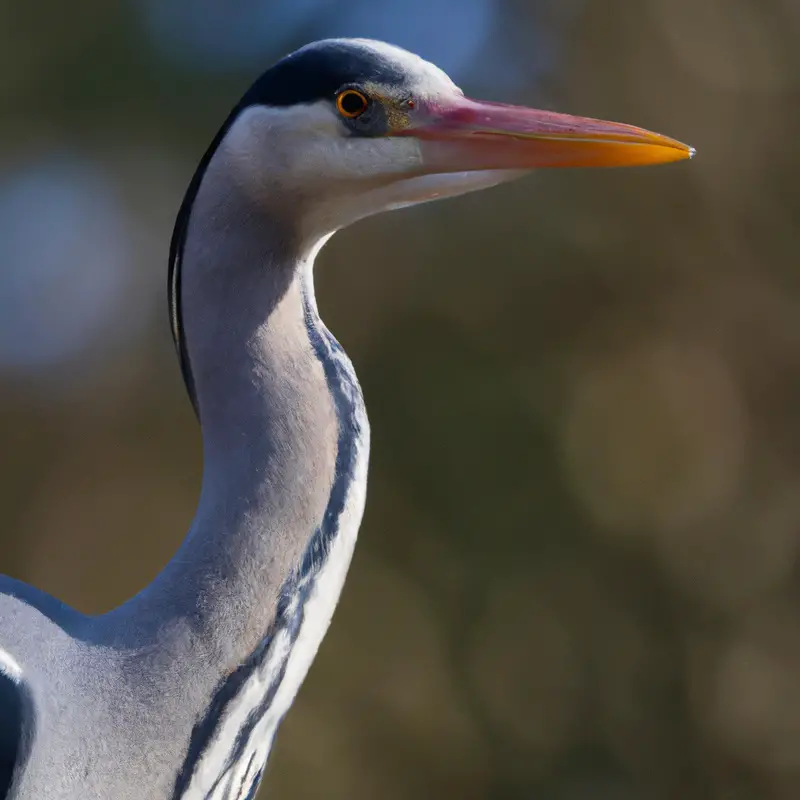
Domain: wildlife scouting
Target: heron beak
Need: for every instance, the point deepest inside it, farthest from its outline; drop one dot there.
(466, 134)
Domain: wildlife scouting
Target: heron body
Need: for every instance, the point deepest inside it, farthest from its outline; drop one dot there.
(179, 692)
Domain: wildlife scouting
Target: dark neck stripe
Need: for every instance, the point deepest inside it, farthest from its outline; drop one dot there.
(346, 393)
(251, 780)
(348, 402)
(176, 248)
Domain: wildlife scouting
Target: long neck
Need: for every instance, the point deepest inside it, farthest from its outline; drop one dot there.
(285, 443)
(269, 427)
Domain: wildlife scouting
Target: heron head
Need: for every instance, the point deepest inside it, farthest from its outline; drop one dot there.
(345, 128)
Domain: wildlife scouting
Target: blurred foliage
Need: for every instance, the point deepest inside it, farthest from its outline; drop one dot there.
(578, 572)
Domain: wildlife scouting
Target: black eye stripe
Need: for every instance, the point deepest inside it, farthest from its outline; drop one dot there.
(319, 72)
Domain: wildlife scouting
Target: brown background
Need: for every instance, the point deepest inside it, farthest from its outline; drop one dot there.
(577, 575)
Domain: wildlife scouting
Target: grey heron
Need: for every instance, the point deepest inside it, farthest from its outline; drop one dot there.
(178, 693)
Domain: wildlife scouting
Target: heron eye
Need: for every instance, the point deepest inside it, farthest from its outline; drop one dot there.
(351, 103)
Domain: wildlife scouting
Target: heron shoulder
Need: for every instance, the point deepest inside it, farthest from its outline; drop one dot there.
(23, 603)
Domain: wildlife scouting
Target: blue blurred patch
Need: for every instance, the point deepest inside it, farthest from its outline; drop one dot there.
(209, 35)
(63, 246)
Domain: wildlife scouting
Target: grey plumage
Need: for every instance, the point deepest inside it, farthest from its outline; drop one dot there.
(178, 693)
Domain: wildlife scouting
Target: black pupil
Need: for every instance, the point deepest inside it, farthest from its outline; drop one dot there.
(352, 103)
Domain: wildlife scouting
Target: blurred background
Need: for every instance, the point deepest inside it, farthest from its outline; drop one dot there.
(578, 571)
